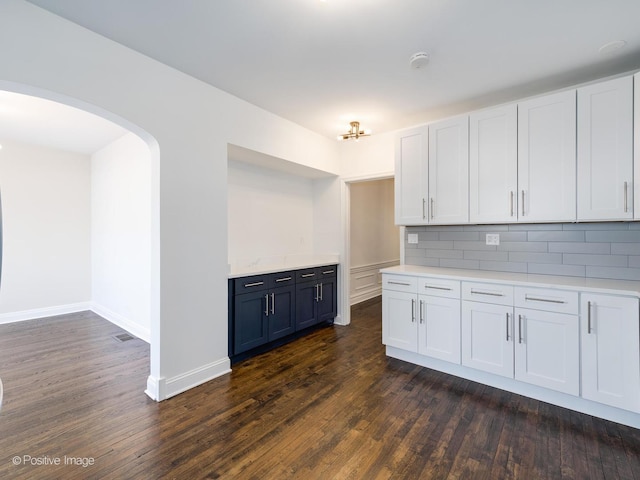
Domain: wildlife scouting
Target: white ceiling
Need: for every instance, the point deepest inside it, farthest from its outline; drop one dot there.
(42, 122)
(322, 64)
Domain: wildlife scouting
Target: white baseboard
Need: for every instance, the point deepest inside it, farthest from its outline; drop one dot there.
(162, 388)
(32, 314)
(121, 321)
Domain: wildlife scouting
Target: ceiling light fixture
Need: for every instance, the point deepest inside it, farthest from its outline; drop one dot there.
(354, 132)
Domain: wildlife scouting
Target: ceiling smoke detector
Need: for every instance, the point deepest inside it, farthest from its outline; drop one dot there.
(419, 60)
(612, 47)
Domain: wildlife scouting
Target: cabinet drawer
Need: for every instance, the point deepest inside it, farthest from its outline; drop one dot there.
(307, 275)
(399, 283)
(547, 299)
(282, 279)
(438, 287)
(487, 293)
(328, 271)
(251, 284)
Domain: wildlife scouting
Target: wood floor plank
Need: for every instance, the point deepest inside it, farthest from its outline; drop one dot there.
(330, 405)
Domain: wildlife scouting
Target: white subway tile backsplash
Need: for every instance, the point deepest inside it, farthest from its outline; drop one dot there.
(559, 236)
(529, 257)
(598, 250)
(575, 247)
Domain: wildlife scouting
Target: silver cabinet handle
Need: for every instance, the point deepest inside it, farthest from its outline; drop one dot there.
(507, 326)
(438, 288)
(283, 279)
(321, 291)
(266, 303)
(424, 208)
(421, 314)
(254, 284)
(317, 292)
(432, 208)
(511, 203)
(307, 275)
(273, 305)
(413, 310)
(589, 318)
(491, 294)
(548, 300)
(399, 283)
(519, 328)
(626, 206)
(327, 272)
(523, 203)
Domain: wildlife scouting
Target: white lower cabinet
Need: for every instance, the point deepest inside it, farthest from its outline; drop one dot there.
(428, 324)
(610, 350)
(486, 341)
(399, 326)
(537, 346)
(584, 345)
(547, 351)
(439, 328)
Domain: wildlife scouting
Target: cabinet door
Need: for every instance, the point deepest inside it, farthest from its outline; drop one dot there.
(306, 299)
(399, 324)
(449, 171)
(327, 307)
(411, 177)
(547, 158)
(493, 165)
(487, 337)
(547, 350)
(250, 324)
(605, 150)
(610, 350)
(439, 328)
(281, 316)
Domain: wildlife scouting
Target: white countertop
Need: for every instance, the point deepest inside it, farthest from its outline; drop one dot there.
(282, 264)
(595, 285)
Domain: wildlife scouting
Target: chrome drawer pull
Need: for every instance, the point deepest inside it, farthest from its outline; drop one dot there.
(306, 275)
(255, 284)
(492, 294)
(399, 283)
(328, 272)
(284, 279)
(548, 300)
(589, 318)
(438, 288)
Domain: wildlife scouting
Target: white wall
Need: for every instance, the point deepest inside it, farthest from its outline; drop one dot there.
(121, 234)
(46, 198)
(374, 236)
(369, 157)
(270, 214)
(188, 126)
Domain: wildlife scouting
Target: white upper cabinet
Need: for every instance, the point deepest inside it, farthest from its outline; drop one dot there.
(493, 165)
(411, 177)
(547, 158)
(449, 171)
(605, 150)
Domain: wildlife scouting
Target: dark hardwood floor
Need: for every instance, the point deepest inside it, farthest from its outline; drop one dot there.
(330, 405)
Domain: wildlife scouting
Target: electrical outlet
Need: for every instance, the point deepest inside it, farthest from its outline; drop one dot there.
(412, 238)
(493, 239)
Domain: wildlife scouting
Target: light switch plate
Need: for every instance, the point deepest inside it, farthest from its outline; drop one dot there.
(493, 239)
(412, 238)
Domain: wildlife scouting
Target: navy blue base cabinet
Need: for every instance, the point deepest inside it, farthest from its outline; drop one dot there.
(269, 310)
